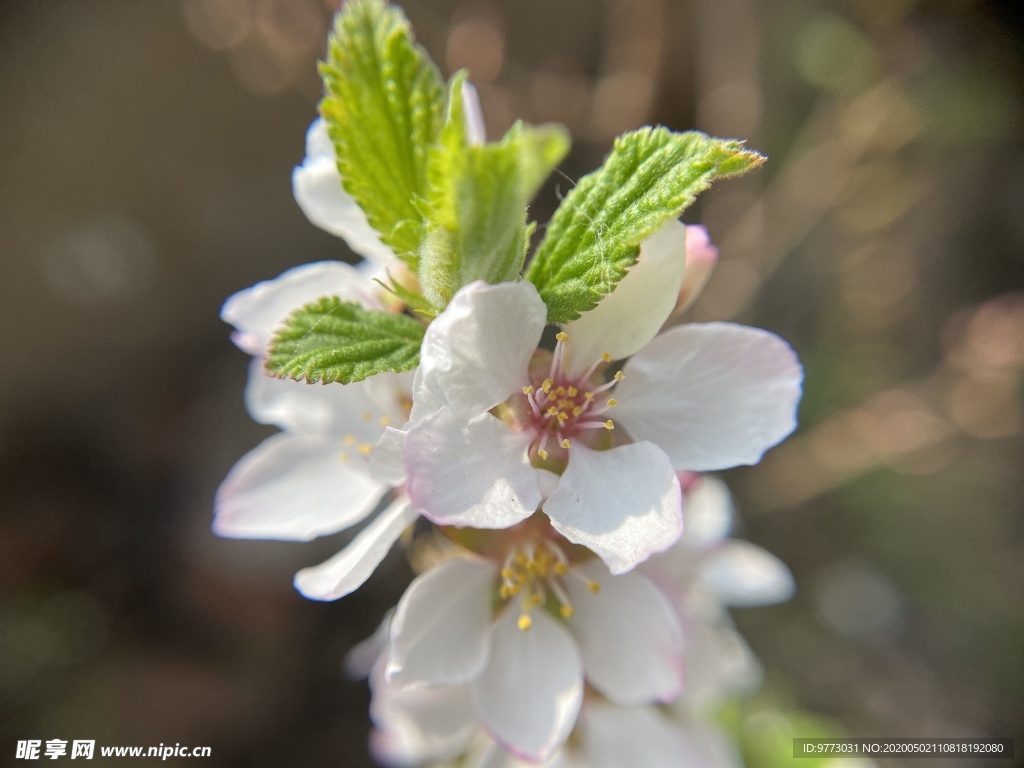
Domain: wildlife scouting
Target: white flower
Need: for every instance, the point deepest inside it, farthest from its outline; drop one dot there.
(524, 668)
(696, 397)
(314, 478)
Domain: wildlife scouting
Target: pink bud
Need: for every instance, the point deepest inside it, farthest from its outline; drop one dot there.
(701, 258)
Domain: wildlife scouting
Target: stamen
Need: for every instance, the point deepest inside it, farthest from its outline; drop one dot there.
(349, 440)
(525, 622)
(384, 421)
(367, 416)
(593, 586)
(597, 425)
(566, 444)
(612, 402)
(606, 356)
(562, 336)
(547, 385)
(566, 610)
(540, 448)
(365, 449)
(572, 391)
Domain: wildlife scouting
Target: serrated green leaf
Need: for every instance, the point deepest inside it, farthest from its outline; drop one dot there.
(476, 209)
(384, 106)
(330, 340)
(651, 176)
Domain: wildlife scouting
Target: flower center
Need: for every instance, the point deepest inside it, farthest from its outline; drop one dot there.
(563, 406)
(534, 572)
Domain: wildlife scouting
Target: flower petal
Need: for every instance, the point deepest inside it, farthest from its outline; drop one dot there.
(349, 569)
(709, 513)
(257, 311)
(294, 487)
(496, 757)
(317, 187)
(743, 574)
(386, 463)
(629, 317)
(364, 655)
(719, 666)
(641, 736)
(476, 132)
(439, 635)
(530, 694)
(475, 354)
(418, 725)
(624, 504)
(701, 258)
(473, 473)
(713, 395)
(629, 636)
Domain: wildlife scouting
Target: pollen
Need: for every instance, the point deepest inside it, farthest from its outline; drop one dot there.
(606, 356)
(566, 611)
(566, 444)
(609, 424)
(543, 454)
(349, 440)
(547, 385)
(562, 416)
(593, 586)
(562, 336)
(384, 421)
(367, 416)
(527, 390)
(552, 411)
(572, 391)
(612, 402)
(577, 410)
(525, 622)
(561, 569)
(365, 449)
(619, 376)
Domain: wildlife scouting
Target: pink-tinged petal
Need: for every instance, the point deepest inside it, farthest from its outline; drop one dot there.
(624, 504)
(317, 187)
(530, 694)
(257, 311)
(294, 487)
(338, 410)
(640, 736)
(713, 395)
(701, 258)
(496, 757)
(349, 569)
(719, 666)
(364, 655)
(475, 353)
(476, 132)
(709, 513)
(743, 574)
(629, 317)
(419, 725)
(439, 635)
(470, 473)
(629, 636)
(387, 464)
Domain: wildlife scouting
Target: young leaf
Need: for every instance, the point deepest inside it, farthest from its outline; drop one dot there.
(384, 106)
(330, 340)
(476, 209)
(594, 237)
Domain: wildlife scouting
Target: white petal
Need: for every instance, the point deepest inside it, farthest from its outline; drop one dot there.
(476, 133)
(257, 311)
(530, 694)
(624, 504)
(713, 395)
(439, 635)
(496, 757)
(743, 574)
(629, 636)
(629, 317)
(473, 472)
(709, 513)
(701, 258)
(349, 569)
(719, 666)
(641, 736)
(338, 410)
(475, 353)
(294, 487)
(386, 463)
(317, 187)
(361, 658)
(417, 725)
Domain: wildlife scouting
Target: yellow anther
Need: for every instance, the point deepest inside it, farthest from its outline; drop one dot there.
(566, 444)
(547, 384)
(527, 390)
(508, 574)
(551, 411)
(566, 611)
(612, 402)
(525, 622)
(514, 589)
(606, 356)
(543, 454)
(383, 421)
(560, 392)
(563, 403)
(348, 441)
(562, 336)
(562, 416)
(593, 586)
(609, 424)
(345, 458)
(588, 396)
(577, 410)
(619, 376)
(505, 591)
(367, 416)
(572, 391)
(561, 569)
(365, 449)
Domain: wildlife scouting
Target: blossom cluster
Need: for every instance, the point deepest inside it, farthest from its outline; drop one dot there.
(541, 445)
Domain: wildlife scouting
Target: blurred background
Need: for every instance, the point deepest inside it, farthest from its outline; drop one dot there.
(145, 160)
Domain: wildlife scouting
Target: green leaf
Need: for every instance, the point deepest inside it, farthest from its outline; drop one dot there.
(476, 210)
(330, 340)
(594, 237)
(384, 106)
